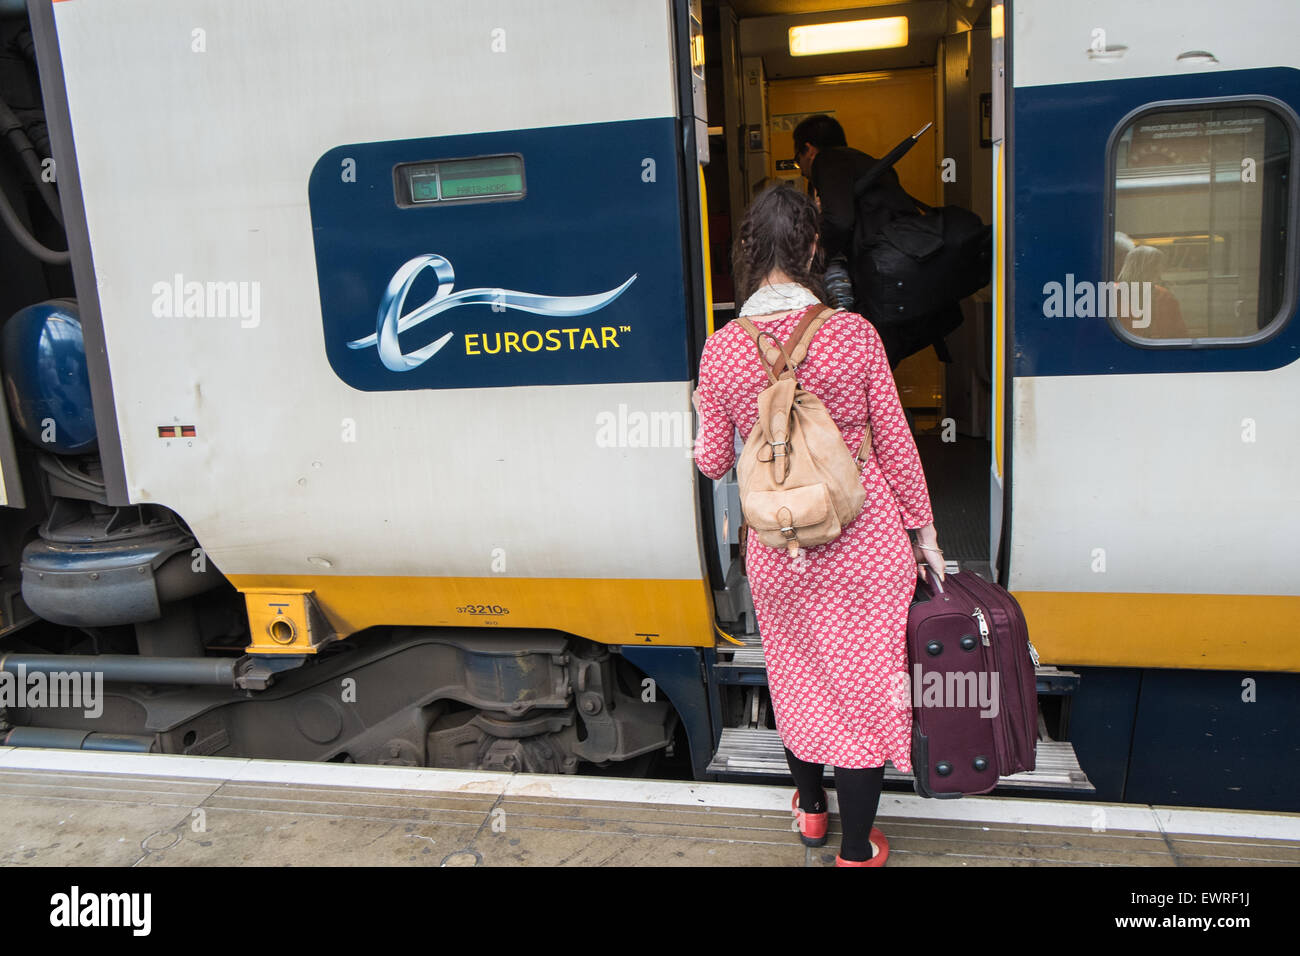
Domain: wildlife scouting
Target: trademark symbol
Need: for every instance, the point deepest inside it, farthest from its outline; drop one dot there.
(625, 328)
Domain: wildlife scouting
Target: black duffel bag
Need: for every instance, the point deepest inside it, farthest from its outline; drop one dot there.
(920, 267)
(924, 262)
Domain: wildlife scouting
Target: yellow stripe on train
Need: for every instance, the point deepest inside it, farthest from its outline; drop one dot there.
(1190, 631)
(295, 614)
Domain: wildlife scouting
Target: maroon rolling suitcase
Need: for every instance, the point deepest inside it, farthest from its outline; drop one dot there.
(974, 696)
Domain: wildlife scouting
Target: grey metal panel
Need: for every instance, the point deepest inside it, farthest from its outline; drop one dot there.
(115, 596)
(55, 95)
(758, 752)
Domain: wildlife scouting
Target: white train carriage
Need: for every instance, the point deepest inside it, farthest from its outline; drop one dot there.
(392, 311)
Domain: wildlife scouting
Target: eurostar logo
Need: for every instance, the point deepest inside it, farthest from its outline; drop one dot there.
(392, 321)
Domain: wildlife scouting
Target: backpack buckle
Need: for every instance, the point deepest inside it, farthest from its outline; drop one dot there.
(778, 454)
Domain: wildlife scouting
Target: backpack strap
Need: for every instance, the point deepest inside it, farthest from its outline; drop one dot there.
(779, 353)
(789, 355)
(802, 336)
(865, 450)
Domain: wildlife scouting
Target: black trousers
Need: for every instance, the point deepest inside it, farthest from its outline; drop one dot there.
(859, 794)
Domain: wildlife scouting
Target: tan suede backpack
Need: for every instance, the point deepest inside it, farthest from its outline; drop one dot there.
(799, 484)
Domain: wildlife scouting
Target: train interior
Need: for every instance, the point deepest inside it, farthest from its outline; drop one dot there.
(934, 68)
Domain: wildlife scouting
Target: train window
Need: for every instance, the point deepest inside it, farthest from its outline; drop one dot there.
(1202, 201)
(479, 179)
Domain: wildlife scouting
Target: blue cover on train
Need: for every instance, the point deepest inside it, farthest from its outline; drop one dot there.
(46, 378)
(1060, 143)
(578, 281)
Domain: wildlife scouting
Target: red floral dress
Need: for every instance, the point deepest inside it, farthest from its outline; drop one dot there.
(833, 619)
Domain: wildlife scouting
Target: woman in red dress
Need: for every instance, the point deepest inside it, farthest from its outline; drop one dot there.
(833, 618)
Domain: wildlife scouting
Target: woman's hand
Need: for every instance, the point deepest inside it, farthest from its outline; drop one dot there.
(928, 555)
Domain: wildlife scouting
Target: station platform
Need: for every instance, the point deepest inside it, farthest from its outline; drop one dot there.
(78, 808)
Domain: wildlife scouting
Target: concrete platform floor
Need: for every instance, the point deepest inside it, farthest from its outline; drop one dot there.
(61, 808)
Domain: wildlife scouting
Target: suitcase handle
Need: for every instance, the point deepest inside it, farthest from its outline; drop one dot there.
(931, 581)
(937, 584)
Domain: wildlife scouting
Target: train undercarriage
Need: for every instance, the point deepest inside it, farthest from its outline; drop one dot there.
(120, 605)
(526, 701)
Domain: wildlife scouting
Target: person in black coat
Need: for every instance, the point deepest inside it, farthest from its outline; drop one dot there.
(850, 225)
(832, 166)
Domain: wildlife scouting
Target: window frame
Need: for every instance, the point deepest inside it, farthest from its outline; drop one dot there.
(1291, 277)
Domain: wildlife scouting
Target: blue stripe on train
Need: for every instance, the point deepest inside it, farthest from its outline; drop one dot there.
(1061, 133)
(1188, 738)
(602, 205)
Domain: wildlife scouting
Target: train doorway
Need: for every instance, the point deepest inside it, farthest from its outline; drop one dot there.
(938, 71)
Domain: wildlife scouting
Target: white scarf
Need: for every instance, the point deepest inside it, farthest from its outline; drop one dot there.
(782, 297)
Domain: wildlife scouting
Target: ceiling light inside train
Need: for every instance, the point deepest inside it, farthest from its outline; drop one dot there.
(845, 36)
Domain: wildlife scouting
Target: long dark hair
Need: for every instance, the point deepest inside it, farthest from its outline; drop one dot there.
(778, 229)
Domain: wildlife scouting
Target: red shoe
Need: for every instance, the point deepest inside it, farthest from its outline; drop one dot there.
(882, 852)
(812, 826)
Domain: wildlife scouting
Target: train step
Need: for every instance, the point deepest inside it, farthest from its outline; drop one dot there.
(757, 752)
(746, 666)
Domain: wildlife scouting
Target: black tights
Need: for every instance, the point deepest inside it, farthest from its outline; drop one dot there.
(859, 793)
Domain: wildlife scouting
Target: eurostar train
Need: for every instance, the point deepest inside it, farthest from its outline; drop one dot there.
(350, 345)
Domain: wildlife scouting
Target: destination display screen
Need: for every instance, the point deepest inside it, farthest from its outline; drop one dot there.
(487, 177)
